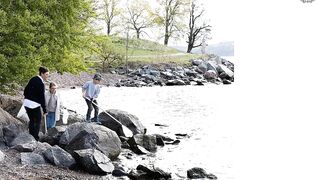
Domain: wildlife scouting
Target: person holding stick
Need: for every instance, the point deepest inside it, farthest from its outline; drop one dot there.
(90, 92)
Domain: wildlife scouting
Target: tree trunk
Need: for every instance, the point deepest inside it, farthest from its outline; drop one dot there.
(190, 43)
(190, 46)
(108, 28)
(166, 33)
(103, 66)
(166, 40)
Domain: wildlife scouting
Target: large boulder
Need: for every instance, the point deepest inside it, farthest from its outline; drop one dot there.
(7, 119)
(175, 82)
(28, 158)
(10, 104)
(59, 157)
(113, 124)
(9, 132)
(210, 75)
(155, 73)
(199, 173)
(149, 78)
(54, 134)
(229, 64)
(94, 161)
(196, 61)
(89, 135)
(212, 65)
(167, 75)
(26, 147)
(191, 73)
(130, 121)
(202, 68)
(225, 69)
(22, 138)
(215, 58)
(41, 147)
(144, 172)
(149, 142)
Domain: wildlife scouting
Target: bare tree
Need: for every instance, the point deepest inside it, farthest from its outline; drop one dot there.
(170, 16)
(196, 31)
(138, 16)
(109, 13)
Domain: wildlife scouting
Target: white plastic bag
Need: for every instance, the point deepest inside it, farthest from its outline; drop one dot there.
(22, 114)
(65, 115)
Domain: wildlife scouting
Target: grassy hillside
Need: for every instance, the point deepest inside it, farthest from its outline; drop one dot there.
(144, 51)
(142, 47)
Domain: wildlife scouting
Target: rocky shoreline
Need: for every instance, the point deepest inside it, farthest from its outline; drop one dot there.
(212, 70)
(80, 150)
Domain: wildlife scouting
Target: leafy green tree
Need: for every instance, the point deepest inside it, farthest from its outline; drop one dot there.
(106, 53)
(42, 32)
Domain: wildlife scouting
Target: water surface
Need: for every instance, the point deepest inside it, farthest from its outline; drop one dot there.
(202, 112)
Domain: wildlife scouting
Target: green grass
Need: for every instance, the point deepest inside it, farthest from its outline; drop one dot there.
(142, 47)
(145, 52)
(183, 59)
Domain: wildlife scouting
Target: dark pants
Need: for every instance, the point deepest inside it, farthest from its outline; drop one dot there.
(35, 121)
(90, 107)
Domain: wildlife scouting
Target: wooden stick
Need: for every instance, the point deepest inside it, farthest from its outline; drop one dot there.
(45, 124)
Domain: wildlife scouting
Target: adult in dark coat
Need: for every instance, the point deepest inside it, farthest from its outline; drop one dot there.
(34, 100)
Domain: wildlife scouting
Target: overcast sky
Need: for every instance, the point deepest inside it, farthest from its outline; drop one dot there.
(221, 17)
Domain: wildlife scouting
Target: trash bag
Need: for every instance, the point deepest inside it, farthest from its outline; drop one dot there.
(65, 115)
(22, 114)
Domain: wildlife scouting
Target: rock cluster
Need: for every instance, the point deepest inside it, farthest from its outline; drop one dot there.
(91, 147)
(214, 69)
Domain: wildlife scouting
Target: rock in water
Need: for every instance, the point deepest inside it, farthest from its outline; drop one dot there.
(94, 161)
(196, 173)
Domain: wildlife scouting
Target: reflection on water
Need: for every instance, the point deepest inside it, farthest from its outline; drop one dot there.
(202, 112)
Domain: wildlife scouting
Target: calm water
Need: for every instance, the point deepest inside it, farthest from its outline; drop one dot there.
(202, 112)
